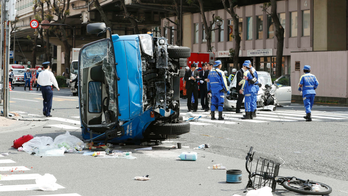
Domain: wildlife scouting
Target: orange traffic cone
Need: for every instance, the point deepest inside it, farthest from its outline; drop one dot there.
(10, 86)
(31, 85)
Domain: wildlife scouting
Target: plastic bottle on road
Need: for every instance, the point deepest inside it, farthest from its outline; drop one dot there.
(202, 146)
(188, 156)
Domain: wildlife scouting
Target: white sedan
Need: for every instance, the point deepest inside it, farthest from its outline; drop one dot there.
(276, 94)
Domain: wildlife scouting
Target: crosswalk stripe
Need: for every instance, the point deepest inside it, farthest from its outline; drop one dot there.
(301, 115)
(14, 168)
(217, 121)
(7, 161)
(25, 187)
(77, 122)
(314, 114)
(19, 177)
(61, 126)
(68, 194)
(199, 123)
(245, 120)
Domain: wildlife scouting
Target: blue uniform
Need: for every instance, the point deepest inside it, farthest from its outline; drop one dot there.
(309, 83)
(27, 78)
(37, 76)
(249, 91)
(217, 86)
(255, 90)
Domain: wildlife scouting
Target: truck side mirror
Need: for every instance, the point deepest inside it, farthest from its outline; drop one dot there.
(96, 28)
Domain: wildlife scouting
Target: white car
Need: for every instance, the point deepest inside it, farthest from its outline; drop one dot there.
(276, 94)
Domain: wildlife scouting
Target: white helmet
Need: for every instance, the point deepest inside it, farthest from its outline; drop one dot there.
(234, 70)
(39, 69)
(225, 72)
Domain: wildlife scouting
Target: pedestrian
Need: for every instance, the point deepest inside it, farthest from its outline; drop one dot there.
(217, 86)
(27, 78)
(307, 85)
(248, 91)
(255, 88)
(210, 66)
(37, 76)
(191, 77)
(45, 80)
(240, 75)
(184, 91)
(230, 78)
(203, 75)
(11, 77)
(226, 75)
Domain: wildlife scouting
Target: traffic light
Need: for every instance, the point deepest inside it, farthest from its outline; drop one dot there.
(11, 11)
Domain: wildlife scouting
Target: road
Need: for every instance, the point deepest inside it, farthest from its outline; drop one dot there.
(316, 148)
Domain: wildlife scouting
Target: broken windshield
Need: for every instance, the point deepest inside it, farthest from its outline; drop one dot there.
(97, 64)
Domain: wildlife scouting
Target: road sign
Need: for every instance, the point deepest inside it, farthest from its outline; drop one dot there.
(45, 26)
(11, 54)
(34, 24)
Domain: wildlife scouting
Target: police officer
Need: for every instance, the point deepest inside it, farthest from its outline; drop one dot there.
(230, 78)
(240, 75)
(45, 80)
(27, 78)
(217, 85)
(37, 76)
(255, 88)
(247, 91)
(308, 83)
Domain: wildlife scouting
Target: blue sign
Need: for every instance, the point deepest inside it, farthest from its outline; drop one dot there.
(11, 54)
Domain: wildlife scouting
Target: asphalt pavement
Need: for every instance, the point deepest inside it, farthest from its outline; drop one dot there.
(311, 150)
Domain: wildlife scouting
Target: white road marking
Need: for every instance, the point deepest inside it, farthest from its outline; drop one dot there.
(199, 123)
(77, 122)
(68, 194)
(25, 187)
(19, 177)
(61, 126)
(14, 168)
(78, 117)
(25, 100)
(7, 161)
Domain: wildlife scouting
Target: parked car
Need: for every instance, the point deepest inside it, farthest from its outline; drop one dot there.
(18, 77)
(277, 94)
(129, 88)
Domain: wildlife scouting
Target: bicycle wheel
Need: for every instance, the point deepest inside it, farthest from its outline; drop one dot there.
(307, 187)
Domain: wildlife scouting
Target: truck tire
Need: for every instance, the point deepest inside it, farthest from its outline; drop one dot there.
(177, 52)
(171, 128)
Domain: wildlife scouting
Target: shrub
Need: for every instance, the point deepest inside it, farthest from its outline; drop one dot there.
(61, 81)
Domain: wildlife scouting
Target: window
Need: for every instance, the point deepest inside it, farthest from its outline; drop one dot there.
(282, 21)
(196, 29)
(270, 27)
(293, 24)
(221, 31)
(306, 23)
(259, 24)
(203, 34)
(230, 29)
(249, 28)
(213, 32)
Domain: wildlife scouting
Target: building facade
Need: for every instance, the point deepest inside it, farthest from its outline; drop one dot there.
(310, 26)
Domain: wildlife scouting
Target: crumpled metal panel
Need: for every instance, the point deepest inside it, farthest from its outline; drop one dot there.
(129, 69)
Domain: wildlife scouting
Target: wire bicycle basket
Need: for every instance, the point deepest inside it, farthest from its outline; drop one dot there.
(263, 173)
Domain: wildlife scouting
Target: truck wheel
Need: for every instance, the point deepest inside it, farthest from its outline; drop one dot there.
(177, 52)
(170, 128)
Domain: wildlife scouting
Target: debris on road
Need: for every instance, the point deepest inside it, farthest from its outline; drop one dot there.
(144, 149)
(264, 191)
(20, 141)
(142, 178)
(188, 156)
(217, 167)
(47, 182)
(202, 146)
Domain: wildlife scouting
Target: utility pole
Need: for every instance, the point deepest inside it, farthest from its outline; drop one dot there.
(8, 13)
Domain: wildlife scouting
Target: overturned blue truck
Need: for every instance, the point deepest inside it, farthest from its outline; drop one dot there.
(129, 88)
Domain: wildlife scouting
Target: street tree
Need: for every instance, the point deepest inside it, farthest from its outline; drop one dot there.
(279, 33)
(230, 6)
(60, 9)
(208, 28)
(102, 14)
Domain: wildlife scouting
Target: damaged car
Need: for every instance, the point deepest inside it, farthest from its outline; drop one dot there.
(129, 88)
(270, 94)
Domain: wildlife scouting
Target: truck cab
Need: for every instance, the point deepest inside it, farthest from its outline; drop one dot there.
(129, 88)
